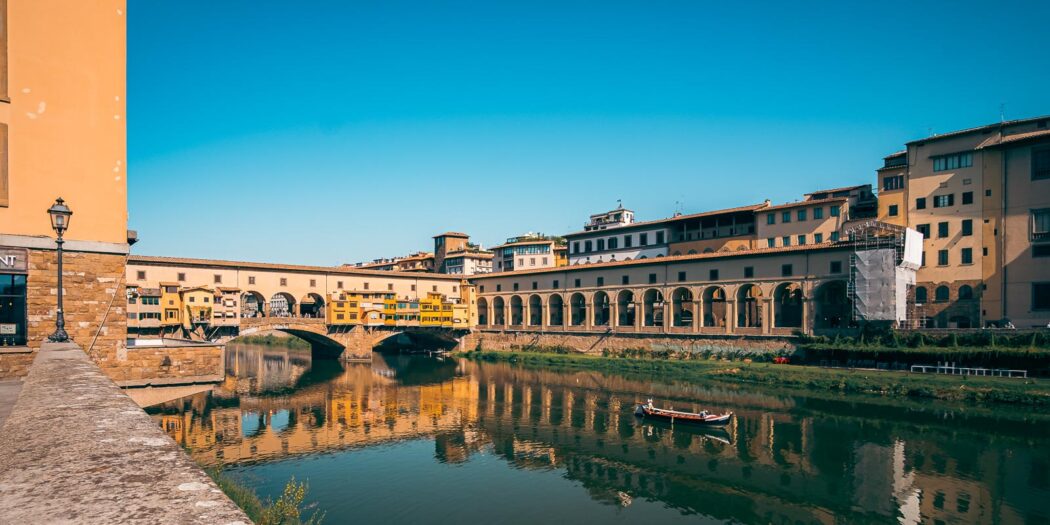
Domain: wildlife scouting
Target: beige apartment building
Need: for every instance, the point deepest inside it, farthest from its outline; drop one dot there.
(525, 252)
(981, 198)
(820, 217)
(62, 134)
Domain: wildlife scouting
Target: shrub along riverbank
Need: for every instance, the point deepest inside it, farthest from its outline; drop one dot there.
(876, 382)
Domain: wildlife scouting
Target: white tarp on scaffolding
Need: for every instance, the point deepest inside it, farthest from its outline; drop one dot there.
(912, 250)
(905, 278)
(875, 282)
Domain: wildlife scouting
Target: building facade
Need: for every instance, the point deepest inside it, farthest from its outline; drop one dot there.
(615, 236)
(980, 198)
(525, 252)
(62, 134)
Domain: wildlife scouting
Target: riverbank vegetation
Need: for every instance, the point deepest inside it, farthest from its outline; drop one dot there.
(273, 340)
(1032, 392)
(286, 510)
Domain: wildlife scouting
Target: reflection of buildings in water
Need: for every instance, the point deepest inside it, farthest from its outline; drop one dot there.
(255, 368)
(772, 464)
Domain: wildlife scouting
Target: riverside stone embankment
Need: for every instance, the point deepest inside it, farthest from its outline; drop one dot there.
(76, 449)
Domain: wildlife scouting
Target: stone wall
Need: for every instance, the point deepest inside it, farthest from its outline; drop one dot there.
(14, 364)
(93, 282)
(75, 449)
(167, 365)
(590, 343)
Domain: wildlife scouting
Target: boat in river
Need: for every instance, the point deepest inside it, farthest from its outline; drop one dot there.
(678, 416)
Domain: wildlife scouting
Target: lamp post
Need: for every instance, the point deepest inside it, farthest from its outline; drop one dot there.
(60, 214)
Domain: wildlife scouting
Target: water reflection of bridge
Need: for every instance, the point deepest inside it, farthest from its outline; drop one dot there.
(782, 461)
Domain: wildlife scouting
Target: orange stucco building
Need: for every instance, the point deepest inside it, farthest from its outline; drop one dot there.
(62, 134)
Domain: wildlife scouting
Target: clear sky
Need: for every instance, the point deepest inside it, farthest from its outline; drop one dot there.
(324, 132)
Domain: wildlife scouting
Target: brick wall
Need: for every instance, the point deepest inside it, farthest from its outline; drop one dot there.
(941, 313)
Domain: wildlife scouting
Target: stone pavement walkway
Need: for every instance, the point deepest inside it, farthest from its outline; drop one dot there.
(9, 390)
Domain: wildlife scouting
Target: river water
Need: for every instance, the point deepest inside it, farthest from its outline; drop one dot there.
(444, 440)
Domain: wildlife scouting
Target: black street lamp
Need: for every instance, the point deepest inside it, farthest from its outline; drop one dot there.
(60, 214)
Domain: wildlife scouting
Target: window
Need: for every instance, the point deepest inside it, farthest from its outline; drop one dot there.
(836, 267)
(141, 275)
(818, 238)
(1040, 164)
(835, 211)
(967, 255)
(627, 241)
(652, 278)
(180, 277)
(626, 279)
(771, 218)
(389, 286)
(712, 275)
(895, 182)
(1040, 225)
(771, 242)
(613, 243)
(942, 230)
(217, 278)
(480, 288)
(601, 281)
(659, 237)
(681, 276)
(555, 284)
(786, 270)
(924, 229)
(193, 299)
(965, 292)
(801, 240)
(785, 216)
(576, 283)
(413, 287)
(967, 227)
(535, 285)
(834, 236)
(587, 246)
(818, 213)
(893, 211)
(251, 280)
(13, 312)
(952, 162)
(785, 240)
(576, 247)
(749, 272)
(942, 257)
(284, 282)
(920, 295)
(339, 284)
(435, 288)
(920, 203)
(967, 197)
(943, 201)
(643, 239)
(1040, 296)
(515, 287)
(801, 215)
(499, 287)
(601, 244)
(941, 294)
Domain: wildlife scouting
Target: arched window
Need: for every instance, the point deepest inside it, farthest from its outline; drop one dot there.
(920, 295)
(941, 294)
(965, 292)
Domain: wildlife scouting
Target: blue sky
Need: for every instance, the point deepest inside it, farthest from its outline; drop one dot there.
(324, 132)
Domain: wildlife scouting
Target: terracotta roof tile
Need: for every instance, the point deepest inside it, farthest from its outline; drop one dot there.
(453, 234)
(1016, 137)
(176, 261)
(833, 190)
(980, 128)
(669, 259)
(805, 203)
(749, 207)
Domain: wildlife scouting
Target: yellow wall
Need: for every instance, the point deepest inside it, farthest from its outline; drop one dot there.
(65, 118)
(731, 244)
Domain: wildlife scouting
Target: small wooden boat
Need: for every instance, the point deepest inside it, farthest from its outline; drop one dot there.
(677, 416)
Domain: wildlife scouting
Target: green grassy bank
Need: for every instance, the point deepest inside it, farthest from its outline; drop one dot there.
(286, 510)
(1032, 392)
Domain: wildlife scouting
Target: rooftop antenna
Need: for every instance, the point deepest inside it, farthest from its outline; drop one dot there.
(677, 208)
(619, 204)
(1002, 112)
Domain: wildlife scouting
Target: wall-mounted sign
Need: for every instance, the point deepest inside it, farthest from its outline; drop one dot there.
(8, 329)
(14, 260)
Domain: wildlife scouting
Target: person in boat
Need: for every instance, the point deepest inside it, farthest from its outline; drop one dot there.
(703, 413)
